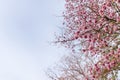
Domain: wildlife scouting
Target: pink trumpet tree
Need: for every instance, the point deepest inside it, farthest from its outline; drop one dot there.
(92, 27)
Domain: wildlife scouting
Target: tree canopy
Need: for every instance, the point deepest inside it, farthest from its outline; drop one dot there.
(92, 28)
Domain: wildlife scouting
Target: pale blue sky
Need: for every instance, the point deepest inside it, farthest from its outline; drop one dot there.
(26, 27)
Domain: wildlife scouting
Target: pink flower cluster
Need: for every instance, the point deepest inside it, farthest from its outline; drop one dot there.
(95, 25)
(108, 63)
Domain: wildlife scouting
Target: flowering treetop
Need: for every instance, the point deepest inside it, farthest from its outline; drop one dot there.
(93, 27)
(95, 23)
